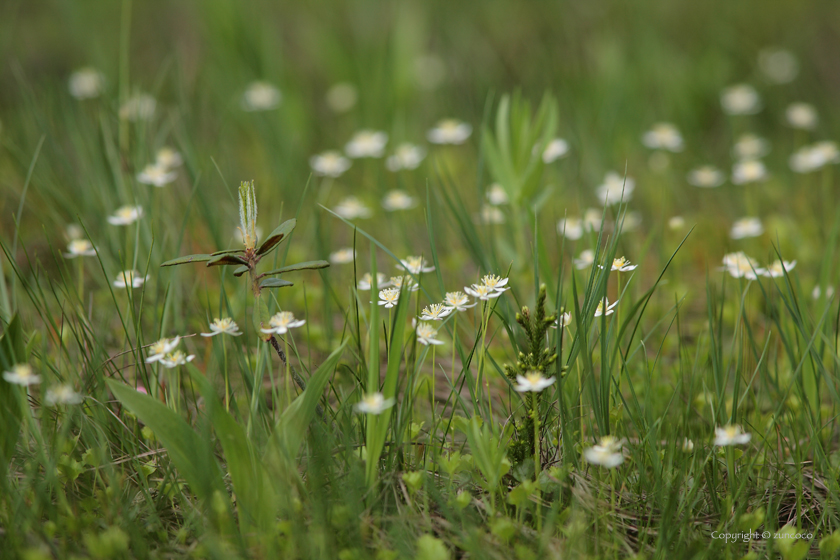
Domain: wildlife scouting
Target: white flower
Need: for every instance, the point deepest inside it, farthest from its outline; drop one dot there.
(168, 158)
(801, 115)
(706, 176)
(554, 150)
(676, 222)
(374, 403)
(815, 156)
(398, 200)
(329, 164)
(415, 265)
(615, 188)
(688, 445)
(491, 215)
(605, 308)
(389, 297)
(157, 175)
(564, 320)
(342, 97)
(22, 374)
(621, 265)
(426, 334)
(571, 228)
(62, 394)
(750, 146)
(367, 144)
(607, 453)
(260, 96)
(739, 265)
(778, 268)
(496, 195)
(175, 359)
(817, 292)
(225, 325)
(482, 292)
(406, 156)
(746, 227)
(128, 278)
(80, 248)
(778, 65)
(140, 107)
(126, 215)
(366, 281)
(351, 208)
(731, 435)
(748, 171)
(161, 348)
(457, 301)
(532, 382)
(449, 131)
(585, 260)
(343, 256)
(740, 99)
(435, 312)
(86, 83)
(663, 136)
(280, 323)
(593, 219)
(494, 282)
(407, 282)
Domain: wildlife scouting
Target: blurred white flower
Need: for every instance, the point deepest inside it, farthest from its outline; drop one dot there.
(817, 292)
(366, 281)
(128, 278)
(62, 394)
(342, 97)
(564, 320)
(571, 228)
(740, 99)
(663, 136)
(161, 348)
(585, 260)
(554, 150)
(282, 322)
(140, 107)
(778, 65)
(389, 297)
(676, 222)
(739, 265)
(435, 312)
(491, 215)
(343, 256)
(168, 158)
(688, 445)
(706, 176)
(801, 115)
(449, 131)
(615, 189)
(593, 219)
(175, 359)
(605, 307)
(374, 403)
(415, 265)
(157, 175)
(80, 248)
(22, 374)
(225, 325)
(126, 215)
(351, 208)
(746, 227)
(458, 301)
(778, 268)
(86, 83)
(496, 195)
(494, 282)
(329, 164)
(749, 171)
(398, 200)
(750, 146)
(404, 281)
(731, 435)
(482, 292)
(260, 96)
(607, 453)
(426, 334)
(367, 144)
(532, 382)
(406, 156)
(813, 157)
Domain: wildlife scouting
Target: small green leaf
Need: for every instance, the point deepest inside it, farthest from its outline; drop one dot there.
(226, 252)
(187, 260)
(308, 265)
(278, 235)
(274, 283)
(240, 271)
(223, 260)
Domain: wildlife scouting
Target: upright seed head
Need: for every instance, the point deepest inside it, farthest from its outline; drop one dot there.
(248, 213)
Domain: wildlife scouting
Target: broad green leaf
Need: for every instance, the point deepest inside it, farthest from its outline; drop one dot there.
(308, 265)
(226, 252)
(276, 236)
(187, 260)
(274, 283)
(223, 260)
(240, 271)
(191, 454)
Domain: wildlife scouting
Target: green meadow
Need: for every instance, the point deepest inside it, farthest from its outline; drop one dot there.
(419, 280)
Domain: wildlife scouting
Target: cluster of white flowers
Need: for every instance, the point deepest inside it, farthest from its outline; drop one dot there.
(164, 352)
(25, 376)
(815, 156)
(162, 171)
(739, 265)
